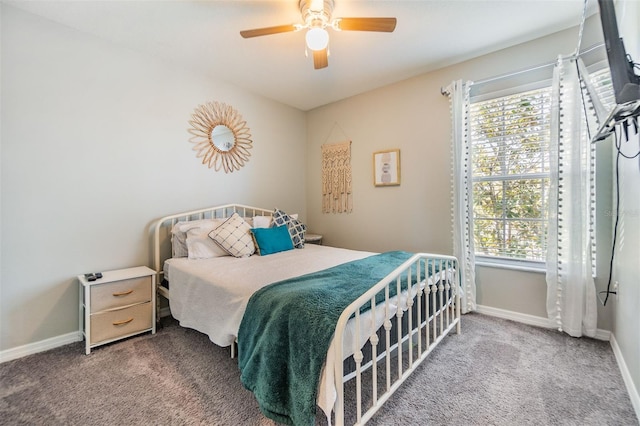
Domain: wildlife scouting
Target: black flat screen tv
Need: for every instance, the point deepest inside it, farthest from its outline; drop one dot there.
(626, 84)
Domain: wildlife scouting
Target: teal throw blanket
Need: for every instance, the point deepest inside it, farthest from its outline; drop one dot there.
(287, 328)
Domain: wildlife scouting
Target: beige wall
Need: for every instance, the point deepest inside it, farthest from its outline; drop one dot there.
(409, 216)
(412, 115)
(94, 147)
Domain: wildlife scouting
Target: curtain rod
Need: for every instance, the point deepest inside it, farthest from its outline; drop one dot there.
(446, 92)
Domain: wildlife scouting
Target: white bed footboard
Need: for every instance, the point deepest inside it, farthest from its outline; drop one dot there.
(413, 325)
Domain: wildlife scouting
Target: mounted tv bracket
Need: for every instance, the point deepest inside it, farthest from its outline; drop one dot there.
(626, 84)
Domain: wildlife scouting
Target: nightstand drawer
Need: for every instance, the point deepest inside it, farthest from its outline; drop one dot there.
(120, 293)
(120, 322)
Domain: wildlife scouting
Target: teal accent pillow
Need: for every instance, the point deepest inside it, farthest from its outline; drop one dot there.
(272, 240)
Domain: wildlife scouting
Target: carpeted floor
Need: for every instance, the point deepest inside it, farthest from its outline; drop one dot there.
(495, 373)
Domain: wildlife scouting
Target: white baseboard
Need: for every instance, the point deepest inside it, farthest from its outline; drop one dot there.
(531, 320)
(626, 376)
(515, 316)
(54, 342)
(41, 346)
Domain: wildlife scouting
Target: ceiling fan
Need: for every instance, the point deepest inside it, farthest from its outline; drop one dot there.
(316, 15)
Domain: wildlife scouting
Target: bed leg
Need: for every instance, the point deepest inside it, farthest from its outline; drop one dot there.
(233, 350)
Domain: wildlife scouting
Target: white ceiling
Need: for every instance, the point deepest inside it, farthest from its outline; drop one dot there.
(204, 35)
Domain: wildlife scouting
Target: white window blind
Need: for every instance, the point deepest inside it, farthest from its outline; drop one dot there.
(510, 170)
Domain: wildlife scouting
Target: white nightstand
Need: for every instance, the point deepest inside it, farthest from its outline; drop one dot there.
(120, 304)
(313, 239)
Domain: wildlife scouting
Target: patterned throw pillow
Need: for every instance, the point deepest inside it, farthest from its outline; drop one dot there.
(234, 236)
(296, 228)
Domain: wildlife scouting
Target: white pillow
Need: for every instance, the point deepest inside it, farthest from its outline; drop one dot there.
(200, 246)
(266, 221)
(262, 221)
(178, 242)
(179, 234)
(204, 223)
(234, 236)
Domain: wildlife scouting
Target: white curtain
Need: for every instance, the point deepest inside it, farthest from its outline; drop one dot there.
(462, 209)
(571, 294)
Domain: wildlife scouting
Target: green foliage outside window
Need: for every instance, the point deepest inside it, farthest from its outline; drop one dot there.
(510, 160)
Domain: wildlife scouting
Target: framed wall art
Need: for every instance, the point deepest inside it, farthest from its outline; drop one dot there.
(386, 167)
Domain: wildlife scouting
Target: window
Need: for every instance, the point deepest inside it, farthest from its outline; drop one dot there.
(509, 138)
(510, 171)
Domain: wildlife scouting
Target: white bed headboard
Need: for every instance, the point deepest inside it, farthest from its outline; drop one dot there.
(161, 228)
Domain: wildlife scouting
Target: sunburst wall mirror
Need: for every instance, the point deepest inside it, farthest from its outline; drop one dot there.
(220, 136)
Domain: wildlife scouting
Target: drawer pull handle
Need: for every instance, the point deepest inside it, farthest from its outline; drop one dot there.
(123, 322)
(123, 293)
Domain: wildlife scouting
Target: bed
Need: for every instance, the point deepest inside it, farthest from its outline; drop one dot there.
(388, 311)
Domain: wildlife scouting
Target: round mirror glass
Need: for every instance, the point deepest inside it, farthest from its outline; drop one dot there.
(223, 137)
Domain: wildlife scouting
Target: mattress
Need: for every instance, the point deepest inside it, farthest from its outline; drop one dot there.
(210, 295)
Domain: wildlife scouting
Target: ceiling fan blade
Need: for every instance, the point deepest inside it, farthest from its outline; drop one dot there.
(267, 31)
(320, 59)
(367, 24)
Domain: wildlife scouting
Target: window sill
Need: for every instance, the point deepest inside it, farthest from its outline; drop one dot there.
(513, 265)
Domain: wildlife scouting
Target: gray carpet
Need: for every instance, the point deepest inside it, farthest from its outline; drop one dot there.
(495, 373)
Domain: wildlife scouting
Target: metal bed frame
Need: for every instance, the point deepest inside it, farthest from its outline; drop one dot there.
(431, 314)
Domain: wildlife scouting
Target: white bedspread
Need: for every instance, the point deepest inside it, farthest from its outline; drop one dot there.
(211, 295)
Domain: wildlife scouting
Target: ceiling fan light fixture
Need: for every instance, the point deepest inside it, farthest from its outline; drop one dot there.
(317, 38)
(316, 15)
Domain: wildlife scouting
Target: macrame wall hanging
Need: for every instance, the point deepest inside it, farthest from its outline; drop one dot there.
(336, 178)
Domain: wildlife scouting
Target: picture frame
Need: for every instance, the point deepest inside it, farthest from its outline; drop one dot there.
(386, 167)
